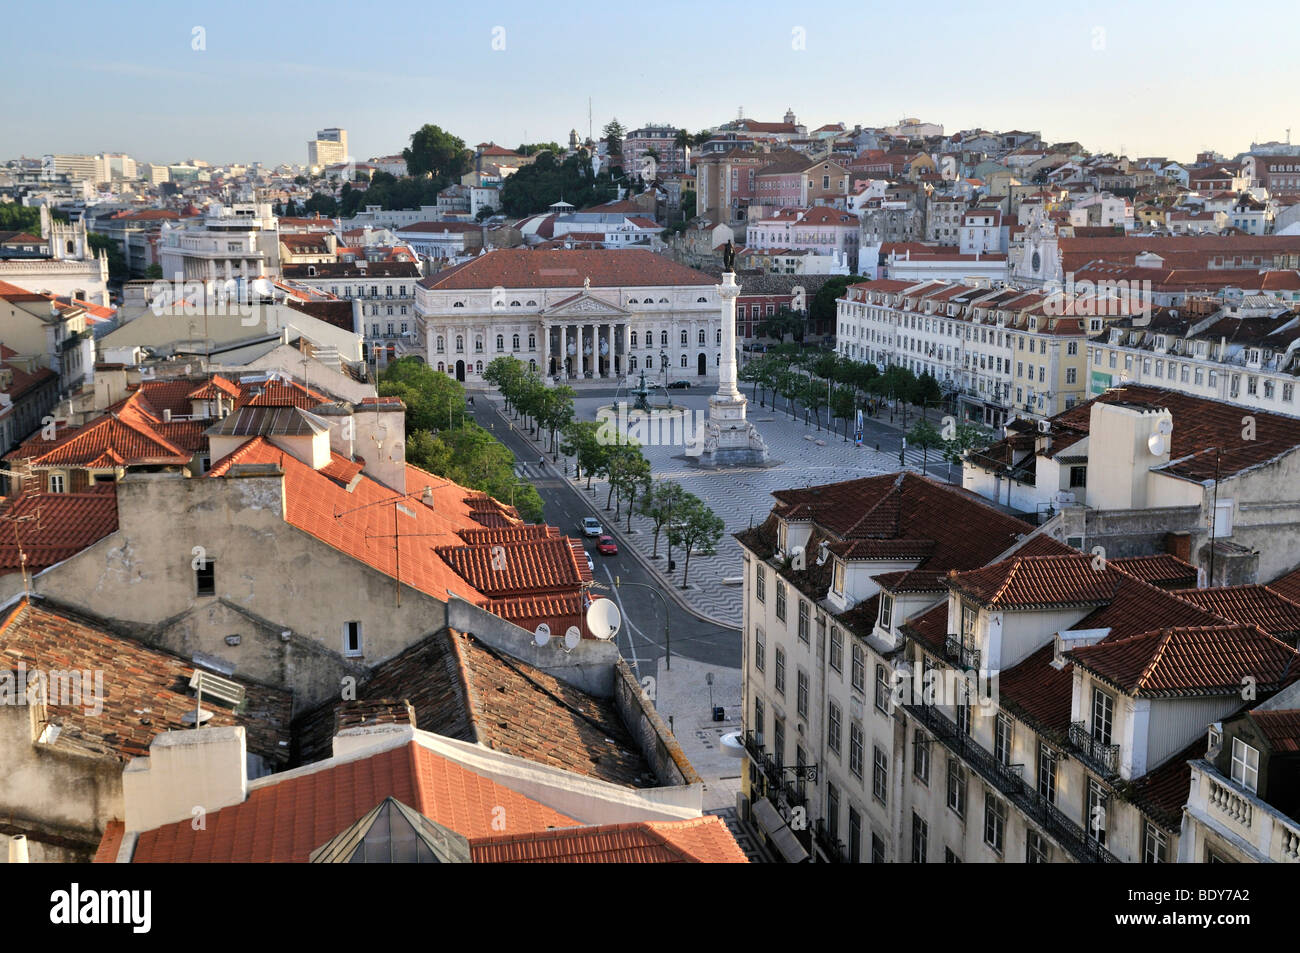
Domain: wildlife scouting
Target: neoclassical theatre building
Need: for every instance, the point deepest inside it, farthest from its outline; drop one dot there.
(582, 314)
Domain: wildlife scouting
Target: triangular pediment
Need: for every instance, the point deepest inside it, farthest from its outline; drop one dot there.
(584, 303)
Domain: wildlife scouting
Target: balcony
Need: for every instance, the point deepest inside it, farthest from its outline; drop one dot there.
(1007, 779)
(1100, 757)
(964, 656)
(832, 847)
(1230, 804)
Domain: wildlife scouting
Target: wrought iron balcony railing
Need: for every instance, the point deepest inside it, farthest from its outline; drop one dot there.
(832, 847)
(962, 654)
(1100, 757)
(1008, 779)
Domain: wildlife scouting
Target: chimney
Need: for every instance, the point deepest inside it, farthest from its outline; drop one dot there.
(380, 435)
(18, 849)
(207, 767)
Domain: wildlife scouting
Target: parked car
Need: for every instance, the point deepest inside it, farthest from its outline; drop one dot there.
(591, 566)
(607, 546)
(680, 385)
(591, 527)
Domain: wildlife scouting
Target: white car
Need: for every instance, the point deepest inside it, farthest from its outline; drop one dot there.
(591, 527)
(591, 566)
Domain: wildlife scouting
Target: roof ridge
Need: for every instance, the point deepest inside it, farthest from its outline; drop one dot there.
(462, 674)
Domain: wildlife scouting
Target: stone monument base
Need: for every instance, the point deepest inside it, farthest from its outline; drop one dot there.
(726, 445)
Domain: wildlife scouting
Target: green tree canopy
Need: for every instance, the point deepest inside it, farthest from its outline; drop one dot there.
(435, 152)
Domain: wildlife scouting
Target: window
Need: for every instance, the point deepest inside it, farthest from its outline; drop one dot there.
(778, 741)
(920, 838)
(663, 339)
(758, 719)
(759, 647)
(514, 342)
(58, 483)
(1035, 848)
(801, 693)
(949, 857)
(995, 821)
(855, 749)
(921, 757)
(833, 728)
(684, 360)
(879, 774)
(632, 339)
(956, 787)
(858, 677)
(803, 622)
(837, 649)
(1103, 709)
(837, 580)
(1047, 773)
(1078, 476)
(352, 638)
(832, 811)
(760, 572)
(205, 578)
(1155, 844)
(532, 341)
(501, 345)
(877, 849)
(855, 836)
(780, 600)
(1095, 814)
(684, 339)
(1002, 738)
(886, 611)
(882, 689)
(780, 670)
(1245, 765)
(962, 710)
(701, 336)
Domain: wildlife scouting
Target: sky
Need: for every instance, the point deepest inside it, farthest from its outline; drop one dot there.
(238, 81)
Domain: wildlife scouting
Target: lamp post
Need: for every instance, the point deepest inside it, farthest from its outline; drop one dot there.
(668, 651)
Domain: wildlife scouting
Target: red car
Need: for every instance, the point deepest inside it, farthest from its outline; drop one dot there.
(607, 546)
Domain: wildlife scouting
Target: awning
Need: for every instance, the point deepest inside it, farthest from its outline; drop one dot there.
(770, 820)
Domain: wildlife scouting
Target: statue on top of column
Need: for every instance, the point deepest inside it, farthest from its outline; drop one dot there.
(728, 257)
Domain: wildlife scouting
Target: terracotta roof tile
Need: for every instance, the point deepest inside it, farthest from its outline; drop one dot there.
(1162, 793)
(53, 526)
(1281, 727)
(1178, 662)
(1038, 693)
(1249, 605)
(114, 831)
(1038, 581)
(703, 840)
(526, 268)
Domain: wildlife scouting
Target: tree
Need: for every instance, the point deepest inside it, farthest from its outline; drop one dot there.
(682, 141)
(696, 528)
(299, 180)
(432, 399)
(688, 205)
(843, 406)
(117, 270)
(924, 435)
(622, 461)
(556, 409)
(154, 272)
(783, 322)
(612, 135)
(436, 153)
(813, 396)
(321, 203)
(823, 309)
(533, 148)
(658, 504)
(966, 436)
(582, 440)
(926, 392)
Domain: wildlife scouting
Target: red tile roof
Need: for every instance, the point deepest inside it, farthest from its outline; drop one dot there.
(1162, 793)
(1178, 662)
(114, 831)
(284, 820)
(1038, 693)
(1023, 582)
(1288, 586)
(1280, 726)
(54, 526)
(1249, 605)
(701, 840)
(145, 690)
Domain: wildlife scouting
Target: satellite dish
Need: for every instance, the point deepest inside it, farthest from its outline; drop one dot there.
(1156, 444)
(733, 744)
(572, 638)
(604, 619)
(542, 634)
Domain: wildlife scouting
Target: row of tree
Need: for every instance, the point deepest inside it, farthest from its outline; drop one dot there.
(441, 439)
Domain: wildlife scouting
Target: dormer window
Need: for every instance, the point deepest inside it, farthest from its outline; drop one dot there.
(886, 611)
(782, 537)
(1245, 765)
(838, 577)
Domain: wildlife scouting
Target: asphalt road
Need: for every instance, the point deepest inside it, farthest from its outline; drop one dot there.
(641, 639)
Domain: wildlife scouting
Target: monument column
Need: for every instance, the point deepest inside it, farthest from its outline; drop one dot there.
(546, 350)
(729, 291)
(564, 351)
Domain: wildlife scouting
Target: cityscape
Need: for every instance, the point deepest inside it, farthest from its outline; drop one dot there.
(822, 483)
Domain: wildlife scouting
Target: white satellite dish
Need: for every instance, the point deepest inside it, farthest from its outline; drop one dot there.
(733, 744)
(604, 619)
(542, 634)
(1156, 444)
(572, 638)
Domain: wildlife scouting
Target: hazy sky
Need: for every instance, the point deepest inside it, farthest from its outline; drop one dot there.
(1156, 77)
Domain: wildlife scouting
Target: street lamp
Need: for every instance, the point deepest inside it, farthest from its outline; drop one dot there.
(668, 650)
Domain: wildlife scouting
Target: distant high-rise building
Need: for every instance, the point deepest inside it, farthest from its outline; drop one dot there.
(92, 169)
(330, 147)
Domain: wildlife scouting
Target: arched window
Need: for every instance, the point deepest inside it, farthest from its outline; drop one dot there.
(532, 363)
(683, 360)
(515, 304)
(478, 368)
(72, 249)
(441, 368)
(460, 344)
(663, 300)
(459, 304)
(514, 342)
(701, 300)
(701, 336)
(532, 303)
(684, 339)
(631, 363)
(631, 301)
(663, 338)
(649, 362)
(440, 348)
(532, 342)
(478, 345)
(633, 339)
(717, 360)
(501, 343)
